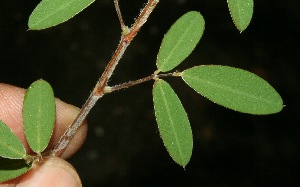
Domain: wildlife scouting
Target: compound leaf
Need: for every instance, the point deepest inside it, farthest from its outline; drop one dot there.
(12, 168)
(10, 145)
(173, 123)
(234, 88)
(180, 41)
(49, 13)
(39, 115)
(241, 12)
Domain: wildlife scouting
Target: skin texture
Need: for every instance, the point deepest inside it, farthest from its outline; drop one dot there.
(51, 171)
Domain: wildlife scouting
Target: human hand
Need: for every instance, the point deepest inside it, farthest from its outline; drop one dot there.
(51, 171)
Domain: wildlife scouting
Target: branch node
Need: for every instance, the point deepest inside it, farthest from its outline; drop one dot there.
(107, 89)
(177, 74)
(156, 72)
(125, 30)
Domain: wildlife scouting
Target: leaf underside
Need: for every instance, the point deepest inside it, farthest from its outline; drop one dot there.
(234, 88)
(10, 145)
(49, 13)
(39, 115)
(180, 41)
(173, 123)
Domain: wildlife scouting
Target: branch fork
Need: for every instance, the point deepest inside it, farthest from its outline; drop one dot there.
(101, 87)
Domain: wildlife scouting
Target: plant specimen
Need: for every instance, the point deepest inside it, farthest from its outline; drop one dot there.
(230, 87)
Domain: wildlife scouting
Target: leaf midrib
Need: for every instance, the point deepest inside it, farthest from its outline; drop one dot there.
(172, 124)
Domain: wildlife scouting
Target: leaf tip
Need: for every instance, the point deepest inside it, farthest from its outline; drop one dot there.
(241, 13)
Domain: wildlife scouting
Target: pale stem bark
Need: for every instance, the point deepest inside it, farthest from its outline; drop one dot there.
(99, 89)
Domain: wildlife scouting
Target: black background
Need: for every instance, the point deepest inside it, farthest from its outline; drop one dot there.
(123, 145)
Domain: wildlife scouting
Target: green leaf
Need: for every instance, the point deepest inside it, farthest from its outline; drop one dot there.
(12, 168)
(10, 145)
(241, 12)
(180, 41)
(49, 13)
(173, 123)
(39, 115)
(234, 88)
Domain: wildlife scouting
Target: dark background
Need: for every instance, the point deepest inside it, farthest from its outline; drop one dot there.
(123, 145)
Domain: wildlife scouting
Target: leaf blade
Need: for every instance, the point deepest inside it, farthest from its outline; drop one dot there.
(234, 88)
(10, 145)
(180, 40)
(49, 13)
(173, 123)
(241, 12)
(39, 115)
(12, 168)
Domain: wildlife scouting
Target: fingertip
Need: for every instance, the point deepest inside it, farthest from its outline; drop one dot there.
(52, 171)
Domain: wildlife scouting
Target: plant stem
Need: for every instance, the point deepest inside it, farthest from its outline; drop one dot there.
(99, 89)
(119, 13)
(136, 82)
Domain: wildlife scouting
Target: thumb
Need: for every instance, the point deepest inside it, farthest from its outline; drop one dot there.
(51, 171)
